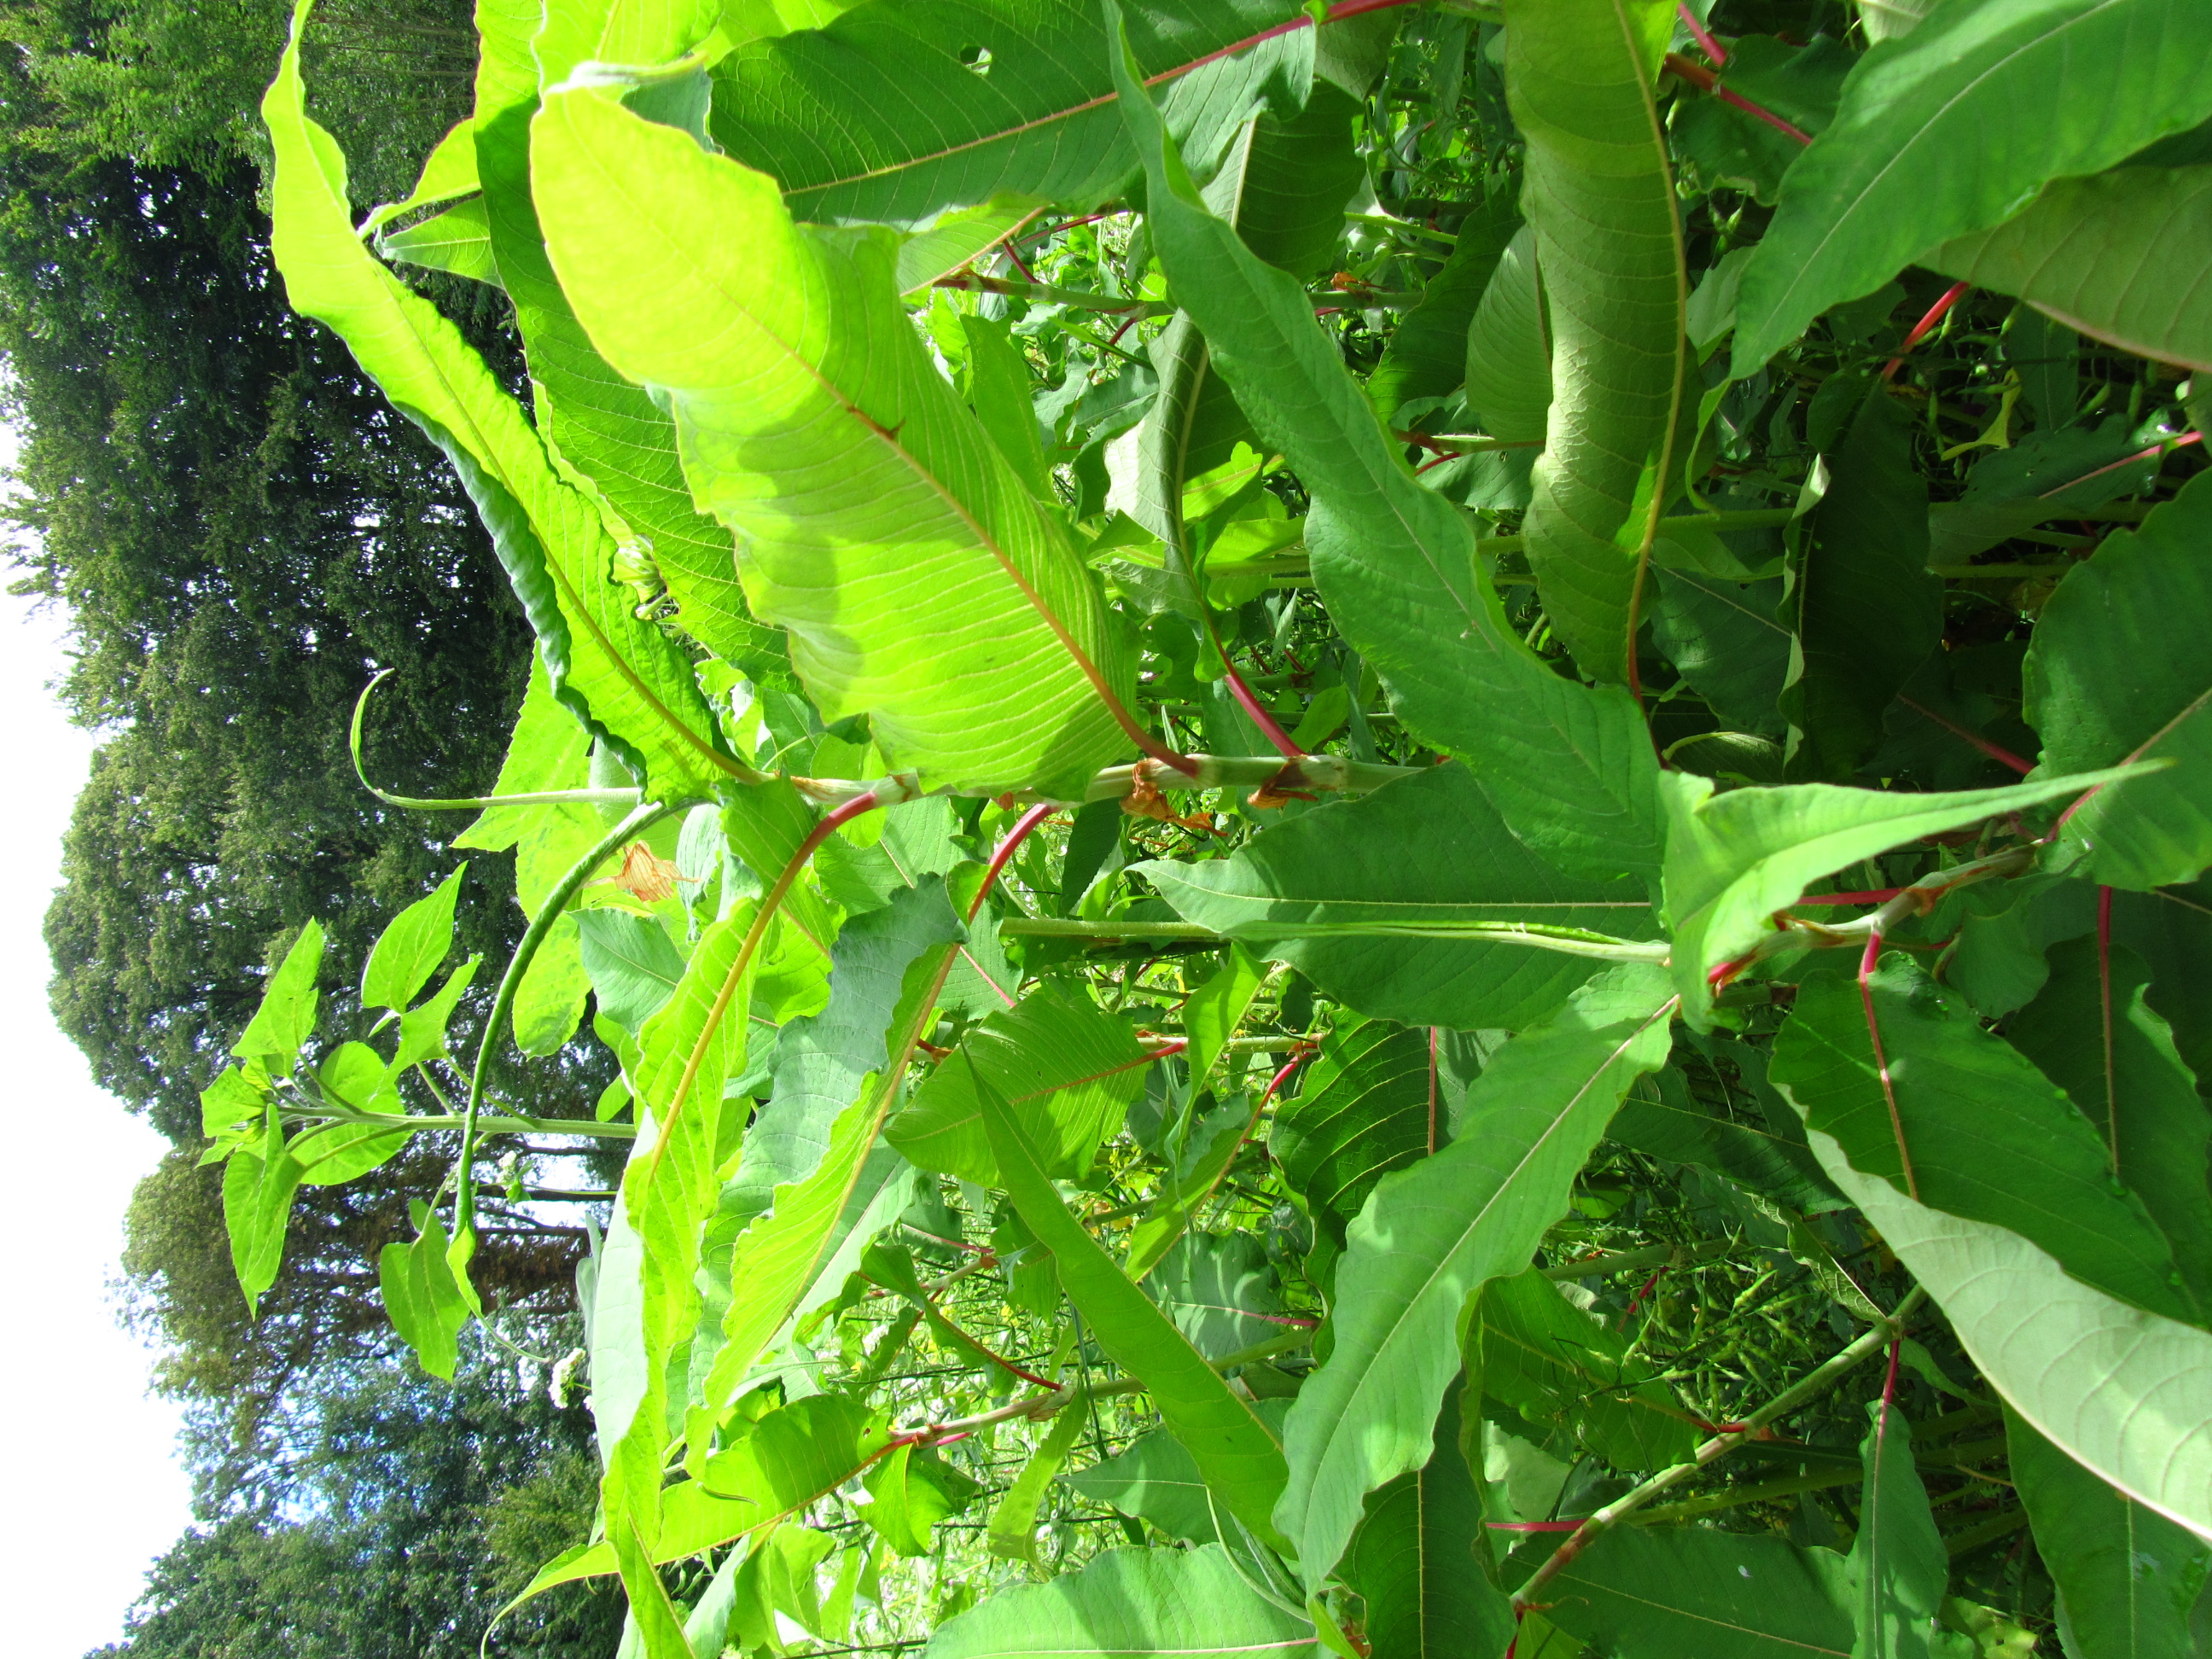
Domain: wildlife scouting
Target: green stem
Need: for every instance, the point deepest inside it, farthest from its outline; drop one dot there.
(1046, 294)
(1814, 1385)
(502, 1007)
(486, 1125)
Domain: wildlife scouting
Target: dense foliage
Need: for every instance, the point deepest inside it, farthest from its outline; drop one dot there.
(1350, 790)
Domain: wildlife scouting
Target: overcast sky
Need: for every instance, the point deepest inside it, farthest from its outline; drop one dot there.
(95, 1491)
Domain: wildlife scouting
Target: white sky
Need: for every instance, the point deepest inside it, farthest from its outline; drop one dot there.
(95, 1491)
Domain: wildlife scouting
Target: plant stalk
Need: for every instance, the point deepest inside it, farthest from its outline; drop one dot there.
(1816, 1384)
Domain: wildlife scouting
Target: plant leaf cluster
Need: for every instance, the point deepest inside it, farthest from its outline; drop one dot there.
(1291, 752)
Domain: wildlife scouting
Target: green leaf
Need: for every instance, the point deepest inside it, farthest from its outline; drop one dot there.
(1734, 859)
(357, 1076)
(411, 947)
(1722, 639)
(1421, 1561)
(1013, 1533)
(632, 683)
(927, 588)
(1406, 904)
(1211, 1013)
(423, 1298)
(1897, 1568)
(2117, 672)
(258, 1184)
(2127, 1578)
(2118, 1390)
(1769, 1159)
(913, 1489)
(822, 1062)
(1221, 1290)
(1428, 353)
(610, 432)
(2032, 89)
(633, 965)
(1600, 197)
(1395, 562)
(458, 241)
(1432, 1236)
(1863, 611)
(778, 1258)
(1508, 348)
(1131, 1604)
(1683, 1593)
(1241, 1461)
(1367, 1107)
(450, 171)
(1985, 1136)
(2109, 256)
(550, 999)
(996, 381)
(423, 1030)
(285, 1018)
(830, 113)
(1072, 1067)
(1554, 1364)
(1153, 1479)
(2124, 1075)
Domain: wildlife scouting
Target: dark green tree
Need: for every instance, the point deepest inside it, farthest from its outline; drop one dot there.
(411, 1511)
(241, 531)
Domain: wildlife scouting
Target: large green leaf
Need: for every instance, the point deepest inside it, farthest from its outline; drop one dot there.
(1509, 350)
(1154, 1480)
(2119, 1390)
(1427, 356)
(1557, 1366)
(1723, 638)
(1985, 1134)
(1432, 1236)
(629, 680)
(1863, 612)
(1283, 184)
(1734, 859)
(284, 1018)
(606, 428)
(2117, 670)
(1661, 1117)
(896, 113)
(1072, 1067)
(1897, 1568)
(1366, 1106)
(2031, 89)
(1571, 767)
(1421, 1561)
(1240, 1459)
(1384, 902)
(411, 947)
(921, 582)
(2127, 1578)
(776, 1259)
(2115, 257)
(1680, 1593)
(258, 1184)
(2121, 1068)
(1601, 198)
(821, 1060)
(1130, 1604)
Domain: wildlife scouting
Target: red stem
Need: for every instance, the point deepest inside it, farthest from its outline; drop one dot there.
(1996, 753)
(1007, 848)
(1706, 44)
(1937, 313)
(1705, 80)
(2165, 447)
(1881, 1062)
(1260, 716)
(1637, 1301)
(1873, 895)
